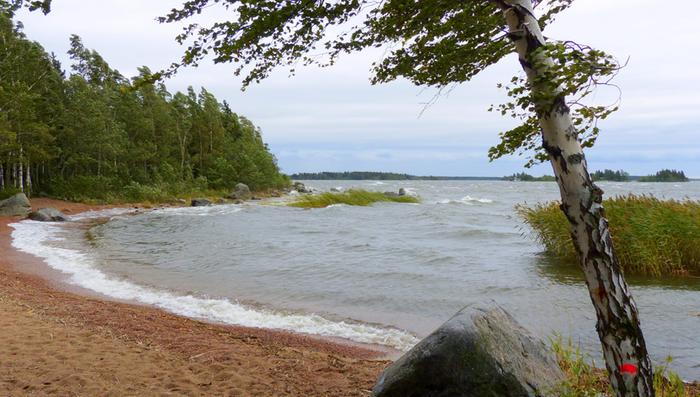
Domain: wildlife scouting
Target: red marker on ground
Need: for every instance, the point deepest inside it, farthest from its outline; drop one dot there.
(630, 369)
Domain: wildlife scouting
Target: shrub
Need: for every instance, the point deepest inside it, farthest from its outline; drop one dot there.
(651, 236)
(9, 192)
(351, 197)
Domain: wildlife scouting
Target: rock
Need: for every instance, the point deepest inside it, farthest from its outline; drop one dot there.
(241, 192)
(402, 192)
(221, 201)
(391, 194)
(17, 205)
(478, 352)
(200, 202)
(48, 215)
(181, 201)
(301, 188)
(336, 189)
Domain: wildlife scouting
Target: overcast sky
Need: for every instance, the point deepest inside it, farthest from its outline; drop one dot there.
(333, 120)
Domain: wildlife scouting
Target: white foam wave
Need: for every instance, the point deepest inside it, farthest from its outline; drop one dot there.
(201, 211)
(36, 237)
(478, 200)
(466, 200)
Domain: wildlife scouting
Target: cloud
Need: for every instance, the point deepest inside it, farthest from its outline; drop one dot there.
(333, 119)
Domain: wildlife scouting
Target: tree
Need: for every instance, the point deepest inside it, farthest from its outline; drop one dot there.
(95, 134)
(441, 43)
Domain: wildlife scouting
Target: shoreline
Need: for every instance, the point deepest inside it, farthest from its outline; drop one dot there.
(249, 360)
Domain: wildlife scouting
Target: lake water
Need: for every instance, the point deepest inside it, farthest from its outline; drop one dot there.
(386, 274)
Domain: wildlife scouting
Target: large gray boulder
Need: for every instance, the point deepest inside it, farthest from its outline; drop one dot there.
(17, 205)
(480, 352)
(241, 192)
(48, 215)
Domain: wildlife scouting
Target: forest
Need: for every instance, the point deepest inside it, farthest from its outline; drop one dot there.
(92, 134)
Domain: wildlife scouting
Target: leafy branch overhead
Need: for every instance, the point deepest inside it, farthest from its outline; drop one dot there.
(430, 43)
(577, 71)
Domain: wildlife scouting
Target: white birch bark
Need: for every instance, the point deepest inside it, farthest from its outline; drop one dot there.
(29, 180)
(623, 345)
(21, 170)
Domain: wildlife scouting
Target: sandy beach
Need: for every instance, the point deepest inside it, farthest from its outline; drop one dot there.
(60, 342)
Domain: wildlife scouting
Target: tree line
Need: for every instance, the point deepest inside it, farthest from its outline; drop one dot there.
(93, 133)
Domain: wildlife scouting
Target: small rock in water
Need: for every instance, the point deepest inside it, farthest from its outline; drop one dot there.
(301, 188)
(17, 205)
(478, 352)
(402, 192)
(48, 215)
(200, 202)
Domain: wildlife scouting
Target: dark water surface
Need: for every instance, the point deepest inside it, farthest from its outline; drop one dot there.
(398, 265)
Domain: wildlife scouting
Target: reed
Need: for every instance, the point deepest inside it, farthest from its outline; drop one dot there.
(651, 237)
(351, 197)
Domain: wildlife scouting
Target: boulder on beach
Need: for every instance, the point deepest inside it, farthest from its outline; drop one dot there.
(17, 205)
(240, 192)
(478, 352)
(200, 202)
(48, 215)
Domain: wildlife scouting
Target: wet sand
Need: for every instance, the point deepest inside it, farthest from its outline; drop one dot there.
(57, 341)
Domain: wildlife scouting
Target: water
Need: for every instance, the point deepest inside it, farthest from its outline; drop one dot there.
(380, 274)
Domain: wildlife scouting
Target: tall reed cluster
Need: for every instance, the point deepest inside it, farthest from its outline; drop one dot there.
(651, 236)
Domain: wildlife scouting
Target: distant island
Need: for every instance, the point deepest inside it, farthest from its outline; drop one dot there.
(664, 175)
(523, 177)
(610, 175)
(382, 176)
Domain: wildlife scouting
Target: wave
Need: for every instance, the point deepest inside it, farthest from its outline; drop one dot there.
(221, 209)
(466, 200)
(36, 238)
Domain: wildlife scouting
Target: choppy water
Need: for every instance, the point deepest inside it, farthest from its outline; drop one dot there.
(377, 274)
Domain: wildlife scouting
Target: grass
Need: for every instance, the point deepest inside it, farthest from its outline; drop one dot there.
(351, 197)
(651, 237)
(584, 379)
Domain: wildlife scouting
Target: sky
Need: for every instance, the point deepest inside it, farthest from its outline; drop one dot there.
(333, 119)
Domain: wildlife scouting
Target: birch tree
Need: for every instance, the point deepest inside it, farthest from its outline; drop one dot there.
(439, 44)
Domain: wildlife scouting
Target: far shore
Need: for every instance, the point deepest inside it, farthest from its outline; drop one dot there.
(66, 342)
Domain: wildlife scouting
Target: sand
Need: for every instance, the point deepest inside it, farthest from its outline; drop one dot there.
(60, 342)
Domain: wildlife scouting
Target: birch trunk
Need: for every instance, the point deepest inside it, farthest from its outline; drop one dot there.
(624, 350)
(29, 180)
(21, 171)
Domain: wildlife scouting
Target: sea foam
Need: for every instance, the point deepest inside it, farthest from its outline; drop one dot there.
(466, 200)
(39, 239)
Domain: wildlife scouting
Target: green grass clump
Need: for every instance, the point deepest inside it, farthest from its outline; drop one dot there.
(584, 379)
(651, 236)
(350, 197)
